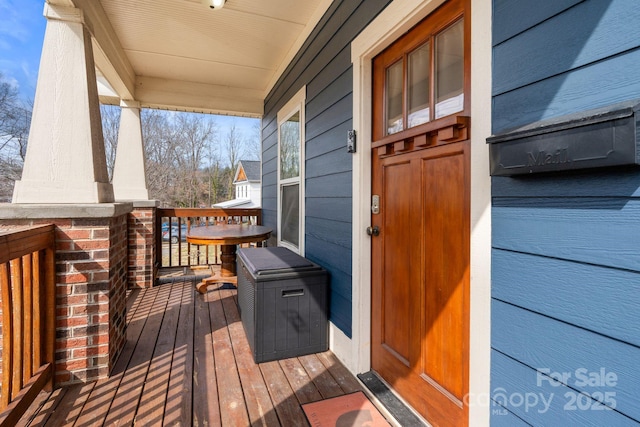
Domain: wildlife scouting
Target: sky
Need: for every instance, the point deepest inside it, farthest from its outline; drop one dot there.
(22, 28)
(21, 33)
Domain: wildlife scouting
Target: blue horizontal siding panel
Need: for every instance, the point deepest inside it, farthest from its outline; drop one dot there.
(340, 313)
(587, 33)
(592, 183)
(333, 233)
(335, 185)
(269, 203)
(340, 282)
(269, 151)
(580, 294)
(340, 112)
(332, 209)
(333, 139)
(337, 89)
(541, 402)
(501, 417)
(336, 161)
(338, 65)
(269, 178)
(548, 345)
(597, 85)
(511, 17)
(601, 231)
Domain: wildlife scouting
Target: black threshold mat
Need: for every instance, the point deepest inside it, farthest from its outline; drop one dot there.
(400, 412)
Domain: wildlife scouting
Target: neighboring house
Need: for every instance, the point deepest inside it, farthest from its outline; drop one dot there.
(487, 284)
(247, 186)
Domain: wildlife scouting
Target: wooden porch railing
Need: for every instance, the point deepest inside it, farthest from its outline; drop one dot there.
(174, 251)
(27, 282)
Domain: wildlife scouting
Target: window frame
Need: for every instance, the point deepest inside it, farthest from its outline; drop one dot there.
(295, 105)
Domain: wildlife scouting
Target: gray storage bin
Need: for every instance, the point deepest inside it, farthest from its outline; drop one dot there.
(282, 299)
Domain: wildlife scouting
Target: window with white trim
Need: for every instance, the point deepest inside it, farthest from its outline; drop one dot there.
(291, 173)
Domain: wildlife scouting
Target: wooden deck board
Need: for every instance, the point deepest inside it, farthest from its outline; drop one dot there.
(99, 402)
(187, 362)
(152, 402)
(326, 384)
(256, 395)
(205, 390)
(179, 409)
(232, 407)
(125, 402)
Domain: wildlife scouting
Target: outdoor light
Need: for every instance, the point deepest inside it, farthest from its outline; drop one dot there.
(214, 4)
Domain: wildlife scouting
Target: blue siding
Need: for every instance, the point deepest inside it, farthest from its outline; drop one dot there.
(549, 403)
(569, 47)
(511, 17)
(550, 286)
(323, 64)
(596, 85)
(565, 258)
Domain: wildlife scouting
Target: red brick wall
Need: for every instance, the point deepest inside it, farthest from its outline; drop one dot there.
(91, 283)
(141, 247)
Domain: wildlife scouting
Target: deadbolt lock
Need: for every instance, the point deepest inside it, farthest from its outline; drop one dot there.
(375, 204)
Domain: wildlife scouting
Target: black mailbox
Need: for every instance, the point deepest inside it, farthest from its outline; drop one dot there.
(592, 139)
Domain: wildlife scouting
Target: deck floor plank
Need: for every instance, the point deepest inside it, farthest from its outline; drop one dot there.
(125, 403)
(44, 411)
(71, 404)
(187, 362)
(323, 380)
(233, 411)
(205, 389)
(304, 389)
(283, 396)
(347, 381)
(256, 395)
(178, 409)
(102, 395)
(152, 401)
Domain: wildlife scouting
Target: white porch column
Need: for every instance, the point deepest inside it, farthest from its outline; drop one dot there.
(129, 177)
(65, 159)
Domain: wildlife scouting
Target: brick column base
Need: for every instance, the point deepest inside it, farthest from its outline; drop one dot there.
(91, 284)
(142, 247)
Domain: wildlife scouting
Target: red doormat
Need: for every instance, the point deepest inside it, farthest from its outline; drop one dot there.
(350, 410)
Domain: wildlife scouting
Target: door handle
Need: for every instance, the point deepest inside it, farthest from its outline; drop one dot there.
(373, 231)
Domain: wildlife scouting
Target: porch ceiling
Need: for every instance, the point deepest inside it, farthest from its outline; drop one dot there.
(180, 54)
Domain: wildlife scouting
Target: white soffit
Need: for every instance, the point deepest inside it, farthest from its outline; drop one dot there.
(183, 53)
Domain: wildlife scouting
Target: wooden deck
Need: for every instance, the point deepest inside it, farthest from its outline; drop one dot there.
(187, 362)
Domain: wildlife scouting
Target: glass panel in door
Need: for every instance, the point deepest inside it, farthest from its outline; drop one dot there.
(419, 70)
(394, 98)
(450, 70)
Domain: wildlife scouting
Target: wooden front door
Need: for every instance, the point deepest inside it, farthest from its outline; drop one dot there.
(420, 255)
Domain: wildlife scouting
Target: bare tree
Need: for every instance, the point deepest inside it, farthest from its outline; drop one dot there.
(254, 142)
(110, 127)
(160, 153)
(234, 145)
(195, 134)
(15, 120)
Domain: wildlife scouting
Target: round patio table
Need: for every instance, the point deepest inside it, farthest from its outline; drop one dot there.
(227, 236)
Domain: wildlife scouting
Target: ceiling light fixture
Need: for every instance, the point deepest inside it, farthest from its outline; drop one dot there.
(214, 4)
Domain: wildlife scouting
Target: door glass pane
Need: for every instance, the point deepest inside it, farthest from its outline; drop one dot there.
(290, 147)
(394, 98)
(289, 218)
(450, 70)
(419, 68)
